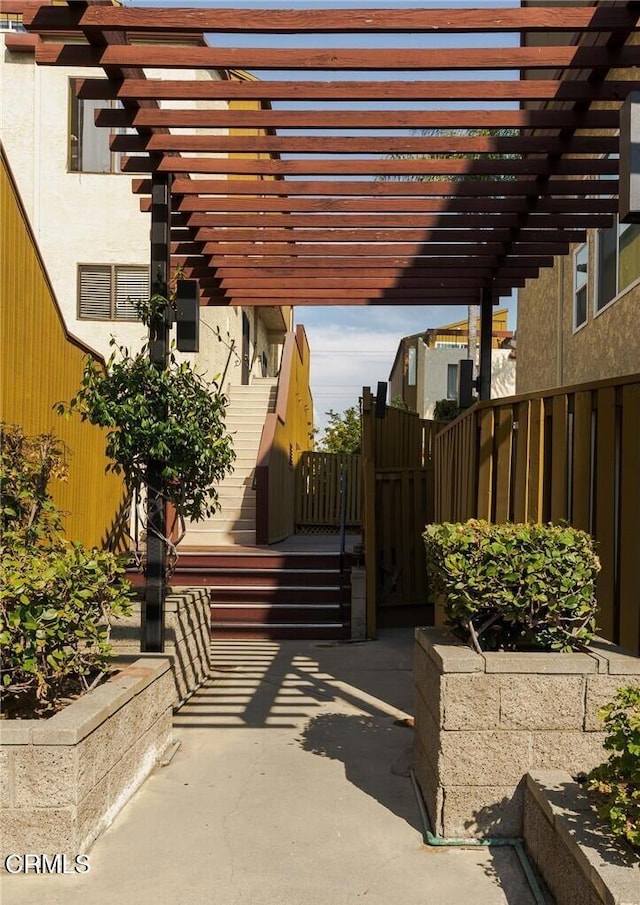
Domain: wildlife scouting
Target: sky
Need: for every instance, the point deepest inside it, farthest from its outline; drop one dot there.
(352, 347)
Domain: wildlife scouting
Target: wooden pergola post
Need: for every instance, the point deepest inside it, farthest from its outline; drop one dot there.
(153, 606)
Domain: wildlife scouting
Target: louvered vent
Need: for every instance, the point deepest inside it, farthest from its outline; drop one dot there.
(109, 291)
(132, 284)
(95, 292)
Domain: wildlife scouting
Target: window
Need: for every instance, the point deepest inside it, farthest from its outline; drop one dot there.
(618, 257)
(452, 381)
(580, 280)
(411, 367)
(108, 291)
(89, 150)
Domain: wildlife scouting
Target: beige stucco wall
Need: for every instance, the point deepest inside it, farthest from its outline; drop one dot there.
(551, 353)
(95, 218)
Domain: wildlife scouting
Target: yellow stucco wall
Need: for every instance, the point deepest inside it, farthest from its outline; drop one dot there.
(40, 365)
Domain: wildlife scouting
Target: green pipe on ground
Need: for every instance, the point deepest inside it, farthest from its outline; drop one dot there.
(487, 841)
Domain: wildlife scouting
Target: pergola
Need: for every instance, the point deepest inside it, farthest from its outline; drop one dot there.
(378, 187)
(328, 216)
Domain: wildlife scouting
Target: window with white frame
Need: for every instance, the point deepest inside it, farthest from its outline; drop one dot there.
(618, 261)
(109, 291)
(452, 381)
(580, 282)
(89, 150)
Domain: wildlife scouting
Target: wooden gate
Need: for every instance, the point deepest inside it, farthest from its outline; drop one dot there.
(398, 494)
(318, 478)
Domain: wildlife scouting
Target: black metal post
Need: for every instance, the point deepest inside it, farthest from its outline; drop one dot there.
(486, 331)
(153, 606)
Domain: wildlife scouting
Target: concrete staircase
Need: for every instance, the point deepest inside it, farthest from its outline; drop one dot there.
(235, 523)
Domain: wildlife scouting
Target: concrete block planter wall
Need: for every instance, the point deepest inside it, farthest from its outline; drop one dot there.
(579, 861)
(485, 720)
(64, 779)
(187, 638)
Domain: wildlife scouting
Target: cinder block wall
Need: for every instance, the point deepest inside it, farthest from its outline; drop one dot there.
(64, 779)
(484, 721)
(187, 638)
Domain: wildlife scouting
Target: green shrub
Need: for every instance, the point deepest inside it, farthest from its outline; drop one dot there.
(56, 598)
(618, 781)
(514, 585)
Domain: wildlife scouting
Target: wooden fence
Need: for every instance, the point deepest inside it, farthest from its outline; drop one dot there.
(397, 465)
(568, 454)
(318, 479)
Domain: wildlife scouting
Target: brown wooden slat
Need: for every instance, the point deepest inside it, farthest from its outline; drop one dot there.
(401, 188)
(388, 205)
(503, 459)
(386, 90)
(380, 59)
(344, 144)
(475, 254)
(325, 21)
(327, 234)
(536, 459)
(570, 166)
(486, 464)
(520, 487)
(559, 459)
(605, 505)
(379, 119)
(498, 223)
(629, 509)
(581, 489)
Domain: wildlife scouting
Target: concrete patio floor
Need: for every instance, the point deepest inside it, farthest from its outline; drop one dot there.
(291, 787)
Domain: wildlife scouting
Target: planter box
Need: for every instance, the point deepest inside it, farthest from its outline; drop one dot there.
(483, 721)
(187, 638)
(64, 779)
(579, 862)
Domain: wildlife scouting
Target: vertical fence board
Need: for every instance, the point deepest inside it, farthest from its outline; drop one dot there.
(629, 509)
(504, 438)
(559, 458)
(536, 460)
(606, 507)
(520, 493)
(581, 493)
(485, 464)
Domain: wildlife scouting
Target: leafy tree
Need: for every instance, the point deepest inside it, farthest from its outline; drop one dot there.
(343, 434)
(455, 155)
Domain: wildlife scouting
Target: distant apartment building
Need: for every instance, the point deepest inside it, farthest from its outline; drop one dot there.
(425, 368)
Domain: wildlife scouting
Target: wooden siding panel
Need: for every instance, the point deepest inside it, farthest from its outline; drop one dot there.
(581, 494)
(559, 458)
(605, 506)
(504, 449)
(629, 509)
(486, 464)
(41, 365)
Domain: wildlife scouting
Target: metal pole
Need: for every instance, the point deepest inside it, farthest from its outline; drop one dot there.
(486, 330)
(153, 607)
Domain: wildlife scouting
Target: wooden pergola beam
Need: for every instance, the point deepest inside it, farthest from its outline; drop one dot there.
(476, 253)
(360, 91)
(404, 188)
(567, 166)
(373, 235)
(497, 206)
(348, 144)
(226, 263)
(288, 21)
(378, 60)
(499, 223)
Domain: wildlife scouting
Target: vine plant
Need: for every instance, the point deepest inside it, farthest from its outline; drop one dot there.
(171, 416)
